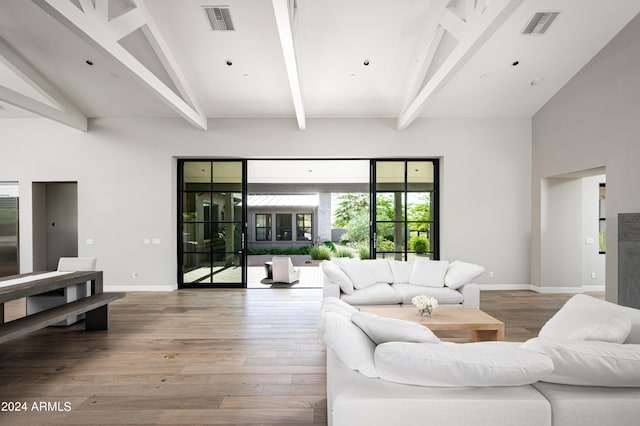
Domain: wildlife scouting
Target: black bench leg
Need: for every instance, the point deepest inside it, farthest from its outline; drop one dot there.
(97, 319)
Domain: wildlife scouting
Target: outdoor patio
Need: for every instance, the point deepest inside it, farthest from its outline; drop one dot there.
(310, 277)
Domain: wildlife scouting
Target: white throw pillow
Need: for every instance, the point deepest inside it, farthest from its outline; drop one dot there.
(337, 275)
(350, 344)
(615, 330)
(582, 309)
(401, 271)
(428, 273)
(589, 363)
(382, 329)
(359, 272)
(461, 273)
(455, 364)
(381, 270)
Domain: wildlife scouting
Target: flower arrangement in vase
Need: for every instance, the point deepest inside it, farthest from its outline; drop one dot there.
(425, 304)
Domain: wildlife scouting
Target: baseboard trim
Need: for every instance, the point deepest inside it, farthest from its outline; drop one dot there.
(539, 289)
(140, 287)
(496, 287)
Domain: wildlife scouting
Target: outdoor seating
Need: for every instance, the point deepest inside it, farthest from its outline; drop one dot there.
(283, 270)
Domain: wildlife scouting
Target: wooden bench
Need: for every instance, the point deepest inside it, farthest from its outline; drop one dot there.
(95, 306)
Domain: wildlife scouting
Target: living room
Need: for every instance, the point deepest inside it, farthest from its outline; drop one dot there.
(497, 143)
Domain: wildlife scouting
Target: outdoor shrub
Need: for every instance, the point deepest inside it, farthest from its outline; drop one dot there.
(386, 245)
(331, 245)
(363, 253)
(257, 251)
(320, 253)
(343, 252)
(277, 251)
(304, 250)
(419, 244)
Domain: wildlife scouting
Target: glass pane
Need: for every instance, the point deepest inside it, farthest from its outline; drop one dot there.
(390, 175)
(601, 237)
(419, 237)
(196, 268)
(225, 238)
(196, 237)
(419, 206)
(390, 206)
(303, 227)
(226, 207)
(283, 227)
(227, 176)
(394, 256)
(196, 175)
(420, 172)
(228, 270)
(390, 237)
(196, 206)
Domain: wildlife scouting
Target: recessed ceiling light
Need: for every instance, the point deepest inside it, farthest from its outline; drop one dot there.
(89, 62)
(483, 76)
(352, 76)
(113, 75)
(245, 75)
(515, 63)
(229, 63)
(366, 62)
(535, 82)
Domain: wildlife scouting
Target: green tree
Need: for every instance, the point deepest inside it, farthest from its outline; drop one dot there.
(350, 206)
(358, 229)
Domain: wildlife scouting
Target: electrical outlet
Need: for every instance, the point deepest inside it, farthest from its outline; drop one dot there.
(593, 275)
(491, 274)
(155, 241)
(147, 241)
(134, 275)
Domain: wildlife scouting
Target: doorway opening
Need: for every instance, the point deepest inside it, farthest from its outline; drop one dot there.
(234, 216)
(573, 231)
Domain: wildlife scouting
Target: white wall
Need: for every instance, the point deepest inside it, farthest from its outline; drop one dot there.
(126, 174)
(593, 122)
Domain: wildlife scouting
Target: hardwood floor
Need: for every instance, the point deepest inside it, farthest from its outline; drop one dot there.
(225, 357)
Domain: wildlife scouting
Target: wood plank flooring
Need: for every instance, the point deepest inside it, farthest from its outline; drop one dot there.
(225, 357)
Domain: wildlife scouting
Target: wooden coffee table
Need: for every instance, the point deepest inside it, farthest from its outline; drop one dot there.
(483, 327)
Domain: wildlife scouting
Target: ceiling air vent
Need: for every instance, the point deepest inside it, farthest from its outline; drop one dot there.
(540, 23)
(219, 18)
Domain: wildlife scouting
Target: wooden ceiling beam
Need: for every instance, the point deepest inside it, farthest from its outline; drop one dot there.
(478, 26)
(65, 113)
(91, 25)
(283, 22)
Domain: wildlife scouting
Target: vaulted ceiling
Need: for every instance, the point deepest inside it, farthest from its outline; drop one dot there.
(69, 60)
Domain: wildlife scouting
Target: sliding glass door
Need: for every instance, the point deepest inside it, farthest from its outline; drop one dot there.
(211, 223)
(404, 212)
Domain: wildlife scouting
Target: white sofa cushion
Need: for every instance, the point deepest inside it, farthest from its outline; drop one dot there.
(429, 273)
(461, 273)
(377, 294)
(467, 364)
(382, 329)
(614, 330)
(335, 274)
(444, 295)
(381, 270)
(358, 271)
(333, 304)
(401, 270)
(582, 309)
(589, 363)
(348, 341)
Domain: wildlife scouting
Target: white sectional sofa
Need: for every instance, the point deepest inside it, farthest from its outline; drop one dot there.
(406, 377)
(391, 282)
